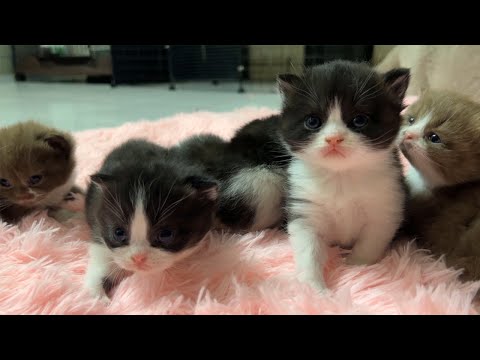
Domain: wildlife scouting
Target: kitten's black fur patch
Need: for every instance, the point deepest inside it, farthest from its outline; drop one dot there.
(259, 142)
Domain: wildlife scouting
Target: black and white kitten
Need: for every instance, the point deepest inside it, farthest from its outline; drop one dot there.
(146, 212)
(251, 171)
(340, 121)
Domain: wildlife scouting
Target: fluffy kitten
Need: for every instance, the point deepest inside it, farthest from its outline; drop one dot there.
(440, 140)
(36, 169)
(251, 170)
(146, 211)
(340, 120)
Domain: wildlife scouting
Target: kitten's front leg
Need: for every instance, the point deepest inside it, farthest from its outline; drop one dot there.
(372, 243)
(99, 271)
(63, 215)
(310, 253)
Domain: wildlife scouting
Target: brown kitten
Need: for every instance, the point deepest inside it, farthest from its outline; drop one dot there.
(36, 169)
(440, 139)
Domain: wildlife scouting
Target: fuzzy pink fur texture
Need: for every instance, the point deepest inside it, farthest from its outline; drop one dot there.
(43, 263)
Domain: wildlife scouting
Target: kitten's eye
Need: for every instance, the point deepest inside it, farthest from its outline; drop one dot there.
(434, 138)
(120, 235)
(164, 237)
(411, 119)
(360, 121)
(5, 183)
(312, 122)
(35, 179)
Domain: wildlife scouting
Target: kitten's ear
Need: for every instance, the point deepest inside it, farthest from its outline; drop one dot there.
(205, 186)
(397, 81)
(60, 144)
(288, 83)
(101, 180)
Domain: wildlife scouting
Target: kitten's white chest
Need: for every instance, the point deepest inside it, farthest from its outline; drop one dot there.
(342, 203)
(416, 183)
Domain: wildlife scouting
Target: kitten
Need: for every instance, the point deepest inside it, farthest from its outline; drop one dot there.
(440, 139)
(339, 121)
(262, 185)
(251, 171)
(146, 211)
(36, 170)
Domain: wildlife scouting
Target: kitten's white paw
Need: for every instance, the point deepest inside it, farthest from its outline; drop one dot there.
(95, 288)
(105, 300)
(63, 215)
(98, 292)
(317, 284)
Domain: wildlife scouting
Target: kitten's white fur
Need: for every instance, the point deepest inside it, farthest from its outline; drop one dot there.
(263, 187)
(56, 196)
(352, 201)
(416, 182)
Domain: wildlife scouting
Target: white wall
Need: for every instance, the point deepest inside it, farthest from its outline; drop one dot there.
(5, 59)
(100, 47)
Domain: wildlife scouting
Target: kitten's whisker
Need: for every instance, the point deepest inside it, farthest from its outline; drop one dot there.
(171, 208)
(368, 93)
(372, 71)
(311, 89)
(375, 140)
(303, 93)
(114, 207)
(369, 96)
(419, 151)
(168, 194)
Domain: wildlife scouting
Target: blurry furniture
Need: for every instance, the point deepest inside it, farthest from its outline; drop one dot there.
(131, 64)
(207, 62)
(139, 64)
(267, 61)
(318, 54)
(176, 63)
(76, 63)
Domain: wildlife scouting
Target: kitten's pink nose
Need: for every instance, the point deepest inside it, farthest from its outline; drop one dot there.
(410, 136)
(334, 139)
(139, 259)
(24, 197)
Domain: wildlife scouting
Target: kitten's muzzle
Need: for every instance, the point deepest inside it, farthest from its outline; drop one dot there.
(409, 136)
(140, 261)
(407, 140)
(26, 199)
(334, 139)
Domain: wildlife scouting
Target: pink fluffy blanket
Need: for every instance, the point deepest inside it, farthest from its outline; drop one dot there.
(42, 262)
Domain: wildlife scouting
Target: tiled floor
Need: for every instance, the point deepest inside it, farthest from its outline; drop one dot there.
(79, 106)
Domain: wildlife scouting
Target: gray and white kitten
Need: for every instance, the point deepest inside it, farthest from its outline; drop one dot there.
(251, 172)
(146, 212)
(340, 121)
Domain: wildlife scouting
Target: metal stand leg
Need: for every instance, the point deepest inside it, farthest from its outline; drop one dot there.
(171, 78)
(240, 70)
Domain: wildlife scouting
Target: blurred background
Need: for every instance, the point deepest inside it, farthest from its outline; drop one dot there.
(77, 87)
